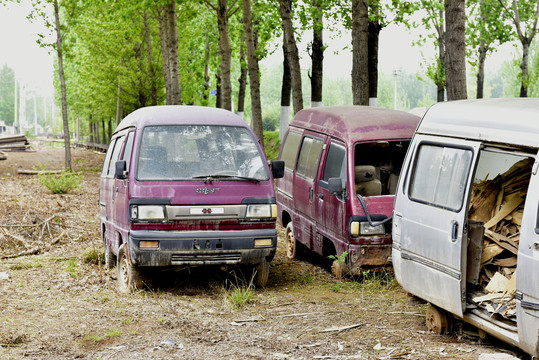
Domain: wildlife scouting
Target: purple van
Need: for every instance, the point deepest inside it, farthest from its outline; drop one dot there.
(336, 198)
(186, 186)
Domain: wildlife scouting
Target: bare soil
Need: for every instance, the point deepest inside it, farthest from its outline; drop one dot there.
(59, 302)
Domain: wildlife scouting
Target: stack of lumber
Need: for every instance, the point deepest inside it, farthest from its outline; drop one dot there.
(499, 205)
(14, 143)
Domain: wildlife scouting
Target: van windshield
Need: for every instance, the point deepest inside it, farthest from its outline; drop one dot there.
(194, 152)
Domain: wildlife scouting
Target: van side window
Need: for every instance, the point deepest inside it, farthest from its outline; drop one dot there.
(115, 155)
(106, 163)
(439, 176)
(290, 149)
(335, 163)
(128, 147)
(308, 157)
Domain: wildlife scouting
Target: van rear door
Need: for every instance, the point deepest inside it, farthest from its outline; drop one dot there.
(528, 268)
(432, 213)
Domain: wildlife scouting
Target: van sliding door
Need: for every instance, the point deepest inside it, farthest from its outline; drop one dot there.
(304, 196)
(433, 216)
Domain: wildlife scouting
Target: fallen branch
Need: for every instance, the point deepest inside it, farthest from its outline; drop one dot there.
(339, 329)
(39, 172)
(33, 251)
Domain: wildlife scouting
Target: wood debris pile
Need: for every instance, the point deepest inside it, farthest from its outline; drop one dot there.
(496, 212)
(14, 143)
(28, 232)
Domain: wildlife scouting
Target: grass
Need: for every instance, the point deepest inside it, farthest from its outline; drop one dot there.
(94, 255)
(240, 296)
(61, 183)
(271, 144)
(35, 263)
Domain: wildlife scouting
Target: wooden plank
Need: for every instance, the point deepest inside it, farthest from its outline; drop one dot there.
(511, 202)
(490, 251)
(506, 262)
(502, 241)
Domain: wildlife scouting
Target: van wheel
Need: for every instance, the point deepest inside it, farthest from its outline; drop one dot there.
(337, 269)
(261, 274)
(110, 258)
(438, 320)
(129, 276)
(291, 243)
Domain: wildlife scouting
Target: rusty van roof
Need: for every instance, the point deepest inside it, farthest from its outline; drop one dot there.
(357, 123)
(178, 115)
(513, 121)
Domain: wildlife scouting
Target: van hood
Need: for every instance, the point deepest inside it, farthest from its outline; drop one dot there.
(223, 192)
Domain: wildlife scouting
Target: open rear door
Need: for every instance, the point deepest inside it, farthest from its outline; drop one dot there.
(528, 270)
(432, 215)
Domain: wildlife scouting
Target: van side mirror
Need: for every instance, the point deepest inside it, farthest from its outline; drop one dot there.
(335, 186)
(277, 169)
(120, 171)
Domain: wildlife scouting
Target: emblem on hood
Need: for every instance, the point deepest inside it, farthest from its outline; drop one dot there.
(206, 191)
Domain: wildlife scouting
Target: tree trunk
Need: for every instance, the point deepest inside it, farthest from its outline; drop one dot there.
(225, 52)
(218, 91)
(67, 143)
(169, 48)
(286, 90)
(524, 66)
(481, 69)
(206, 71)
(360, 54)
(252, 64)
(455, 67)
(110, 131)
(151, 67)
(285, 7)
(104, 132)
(317, 56)
(374, 35)
(119, 103)
(242, 81)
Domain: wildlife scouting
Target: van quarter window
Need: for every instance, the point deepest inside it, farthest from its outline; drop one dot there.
(439, 176)
(290, 149)
(128, 147)
(308, 157)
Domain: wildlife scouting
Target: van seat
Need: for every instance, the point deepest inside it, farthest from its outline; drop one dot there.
(367, 180)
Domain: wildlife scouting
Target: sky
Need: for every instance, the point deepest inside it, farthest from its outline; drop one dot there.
(34, 65)
(19, 50)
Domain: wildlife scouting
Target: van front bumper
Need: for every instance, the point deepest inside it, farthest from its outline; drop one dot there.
(370, 255)
(177, 248)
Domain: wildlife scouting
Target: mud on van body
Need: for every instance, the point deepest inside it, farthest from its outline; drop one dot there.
(335, 159)
(186, 186)
(466, 217)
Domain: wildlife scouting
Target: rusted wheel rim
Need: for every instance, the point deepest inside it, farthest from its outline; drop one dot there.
(337, 269)
(290, 243)
(124, 271)
(436, 320)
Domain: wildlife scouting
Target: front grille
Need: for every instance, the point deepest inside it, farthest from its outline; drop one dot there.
(205, 259)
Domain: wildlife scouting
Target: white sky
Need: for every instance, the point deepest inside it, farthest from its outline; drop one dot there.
(34, 65)
(19, 50)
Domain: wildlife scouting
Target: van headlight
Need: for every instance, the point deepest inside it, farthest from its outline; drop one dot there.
(147, 212)
(366, 229)
(261, 211)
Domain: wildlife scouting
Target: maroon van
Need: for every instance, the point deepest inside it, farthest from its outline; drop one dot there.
(336, 198)
(186, 186)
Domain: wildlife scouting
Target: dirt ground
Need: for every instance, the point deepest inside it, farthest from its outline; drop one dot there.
(58, 302)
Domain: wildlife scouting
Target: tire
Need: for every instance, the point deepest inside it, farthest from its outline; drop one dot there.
(338, 269)
(438, 320)
(129, 276)
(110, 258)
(261, 274)
(290, 241)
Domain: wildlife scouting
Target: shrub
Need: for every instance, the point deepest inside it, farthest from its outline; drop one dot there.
(61, 183)
(271, 144)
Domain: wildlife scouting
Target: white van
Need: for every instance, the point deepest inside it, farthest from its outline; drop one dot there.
(466, 218)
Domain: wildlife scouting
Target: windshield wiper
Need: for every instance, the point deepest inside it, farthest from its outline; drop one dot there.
(211, 178)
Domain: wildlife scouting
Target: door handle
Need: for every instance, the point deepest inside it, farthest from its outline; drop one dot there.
(454, 231)
(321, 196)
(311, 194)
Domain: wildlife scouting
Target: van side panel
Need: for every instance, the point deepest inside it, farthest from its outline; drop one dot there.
(528, 269)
